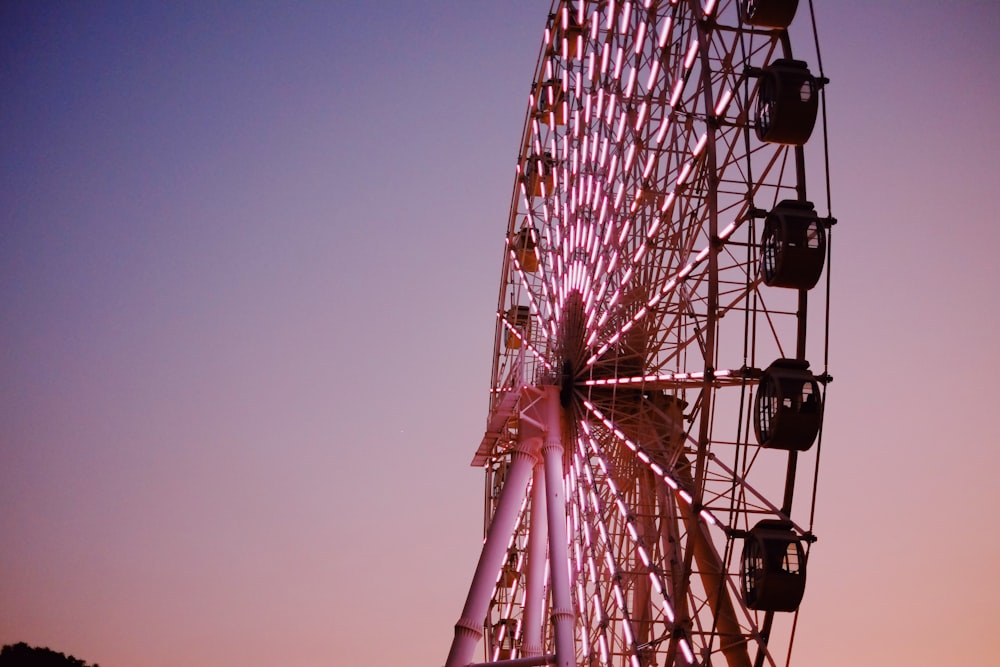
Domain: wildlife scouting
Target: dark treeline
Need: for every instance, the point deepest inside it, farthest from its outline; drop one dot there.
(22, 655)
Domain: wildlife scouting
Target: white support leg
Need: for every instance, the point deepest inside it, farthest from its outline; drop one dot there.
(535, 599)
(469, 628)
(562, 600)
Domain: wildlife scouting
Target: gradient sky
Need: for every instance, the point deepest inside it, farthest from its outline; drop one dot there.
(249, 255)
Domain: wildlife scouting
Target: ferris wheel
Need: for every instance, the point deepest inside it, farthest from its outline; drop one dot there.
(651, 449)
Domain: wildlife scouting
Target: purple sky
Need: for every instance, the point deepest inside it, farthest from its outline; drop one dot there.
(249, 255)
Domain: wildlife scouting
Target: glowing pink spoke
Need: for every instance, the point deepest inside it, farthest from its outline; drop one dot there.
(590, 548)
(532, 304)
(668, 479)
(628, 519)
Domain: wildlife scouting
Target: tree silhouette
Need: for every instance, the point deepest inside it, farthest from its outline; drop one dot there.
(22, 655)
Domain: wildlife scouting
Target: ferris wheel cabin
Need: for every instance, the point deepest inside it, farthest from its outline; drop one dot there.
(787, 103)
(774, 567)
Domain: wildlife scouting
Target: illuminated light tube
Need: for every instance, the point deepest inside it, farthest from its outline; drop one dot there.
(728, 231)
(649, 165)
(644, 556)
(655, 467)
(676, 95)
(702, 255)
(640, 37)
(641, 116)
(618, 63)
(709, 8)
(631, 83)
(627, 629)
(707, 516)
(624, 233)
(685, 495)
(685, 272)
(662, 132)
(685, 172)
(626, 15)
(720, 106)
(653, 72)
(702, 142)
(620, 132)
(691, 54)
(629, 156)
(664, 33)
(686, 650)
(667, 609)
(605, 57)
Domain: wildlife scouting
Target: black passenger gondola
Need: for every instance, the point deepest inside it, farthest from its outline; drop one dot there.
(793, 246)
(787, 102)
(776, 14)
(788, 409)
(774, 567)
